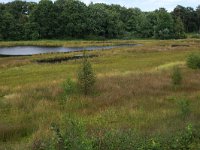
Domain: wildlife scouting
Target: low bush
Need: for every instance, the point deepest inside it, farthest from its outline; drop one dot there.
(76, 137)
(176, 76)
(69, 88)
(196, 36)
(184, 107)
(193, 61)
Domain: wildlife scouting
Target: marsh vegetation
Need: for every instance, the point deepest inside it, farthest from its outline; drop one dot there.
(134, 104)
(128, 97)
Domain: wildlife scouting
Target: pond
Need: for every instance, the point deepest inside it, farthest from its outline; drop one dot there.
(32, 50)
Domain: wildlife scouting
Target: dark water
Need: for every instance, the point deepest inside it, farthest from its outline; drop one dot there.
(31, 50)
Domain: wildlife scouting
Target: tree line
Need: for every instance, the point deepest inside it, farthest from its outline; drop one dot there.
(62, 19)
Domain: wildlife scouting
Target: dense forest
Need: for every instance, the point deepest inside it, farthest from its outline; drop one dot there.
(62, 19)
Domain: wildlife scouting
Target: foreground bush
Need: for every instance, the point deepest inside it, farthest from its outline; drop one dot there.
(193, 61)
(75, 137)
(124, 140)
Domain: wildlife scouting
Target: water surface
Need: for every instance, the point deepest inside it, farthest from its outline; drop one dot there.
(32, 50)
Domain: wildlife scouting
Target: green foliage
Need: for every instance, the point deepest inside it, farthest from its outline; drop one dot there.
(196, 36)
(193, 61)
(69, 88)
(31, 31)
(184, 139)
(21, 20)
(176, 76)
(72, 18)
(44, 16)
(188, 16)
(130, 140)
(104, 22)
(86, 76)
(164, 26)
(179, 29)
(184, 106)
(74, 137)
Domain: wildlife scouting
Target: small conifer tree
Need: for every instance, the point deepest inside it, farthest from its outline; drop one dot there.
(86, 76)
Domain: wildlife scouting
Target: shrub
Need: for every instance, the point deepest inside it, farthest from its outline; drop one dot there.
(176, 76)
(196, 36)
(86, 76)
(184, 139)
(69, 88)
(74, 137)
(184, 106)
(193, 61)
(123, 140)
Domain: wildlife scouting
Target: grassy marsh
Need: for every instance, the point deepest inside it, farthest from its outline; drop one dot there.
(63, 43)
(133, 91)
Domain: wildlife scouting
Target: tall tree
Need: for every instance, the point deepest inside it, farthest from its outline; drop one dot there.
(2, 9)
(179, 29)
(105, 22)
(198, 17)
(21, 20)
(164, 27)
(191, 20)
(44, 15)
(72, 18)
(188, 17)
(8, 26)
